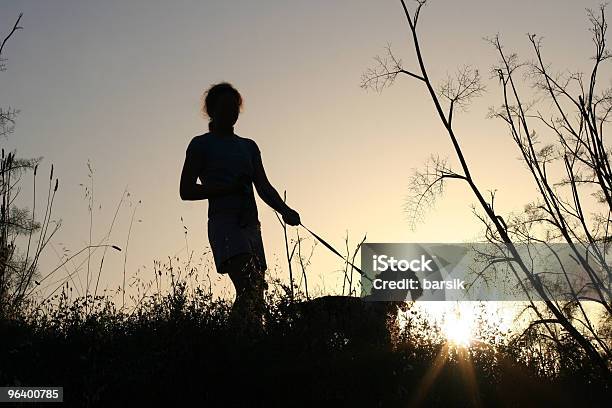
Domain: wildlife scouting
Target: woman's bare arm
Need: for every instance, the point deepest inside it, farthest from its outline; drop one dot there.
(269, 195)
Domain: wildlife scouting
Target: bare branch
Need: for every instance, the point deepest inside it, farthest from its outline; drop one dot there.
(384, 73)
(15, 28)
(425, 186)
(462, 88)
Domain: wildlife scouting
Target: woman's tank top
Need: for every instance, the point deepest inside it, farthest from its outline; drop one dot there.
(223, 159)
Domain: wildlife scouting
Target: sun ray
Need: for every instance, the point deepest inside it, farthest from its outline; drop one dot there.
(429, 378)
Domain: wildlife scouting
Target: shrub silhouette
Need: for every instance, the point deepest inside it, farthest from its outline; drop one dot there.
(176, 347)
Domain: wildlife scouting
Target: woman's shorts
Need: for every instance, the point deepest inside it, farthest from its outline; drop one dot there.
(227, 238)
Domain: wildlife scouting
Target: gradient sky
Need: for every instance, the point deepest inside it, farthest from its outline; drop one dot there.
(119, 83)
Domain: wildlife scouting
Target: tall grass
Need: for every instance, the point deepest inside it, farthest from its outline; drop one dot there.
(176, 345)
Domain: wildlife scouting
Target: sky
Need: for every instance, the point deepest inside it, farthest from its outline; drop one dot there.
(118, 84)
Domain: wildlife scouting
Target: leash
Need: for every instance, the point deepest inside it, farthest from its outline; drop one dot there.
(331, 248)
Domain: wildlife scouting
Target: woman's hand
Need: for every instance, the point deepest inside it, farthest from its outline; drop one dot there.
(291, 217)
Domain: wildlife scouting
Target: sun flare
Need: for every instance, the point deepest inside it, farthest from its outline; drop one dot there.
(457, 328)
(463, 324)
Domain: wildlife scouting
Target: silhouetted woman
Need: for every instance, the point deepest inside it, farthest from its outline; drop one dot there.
(228, 165)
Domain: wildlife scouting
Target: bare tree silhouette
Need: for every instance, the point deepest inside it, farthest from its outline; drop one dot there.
(19, 274)
(577, 124)
(16, 269)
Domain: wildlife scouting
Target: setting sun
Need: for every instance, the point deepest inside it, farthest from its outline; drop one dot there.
(457, 328)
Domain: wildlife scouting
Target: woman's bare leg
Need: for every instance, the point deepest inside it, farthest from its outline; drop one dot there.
(249, 282)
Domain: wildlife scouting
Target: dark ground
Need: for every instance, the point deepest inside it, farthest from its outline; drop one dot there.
(329, 352)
